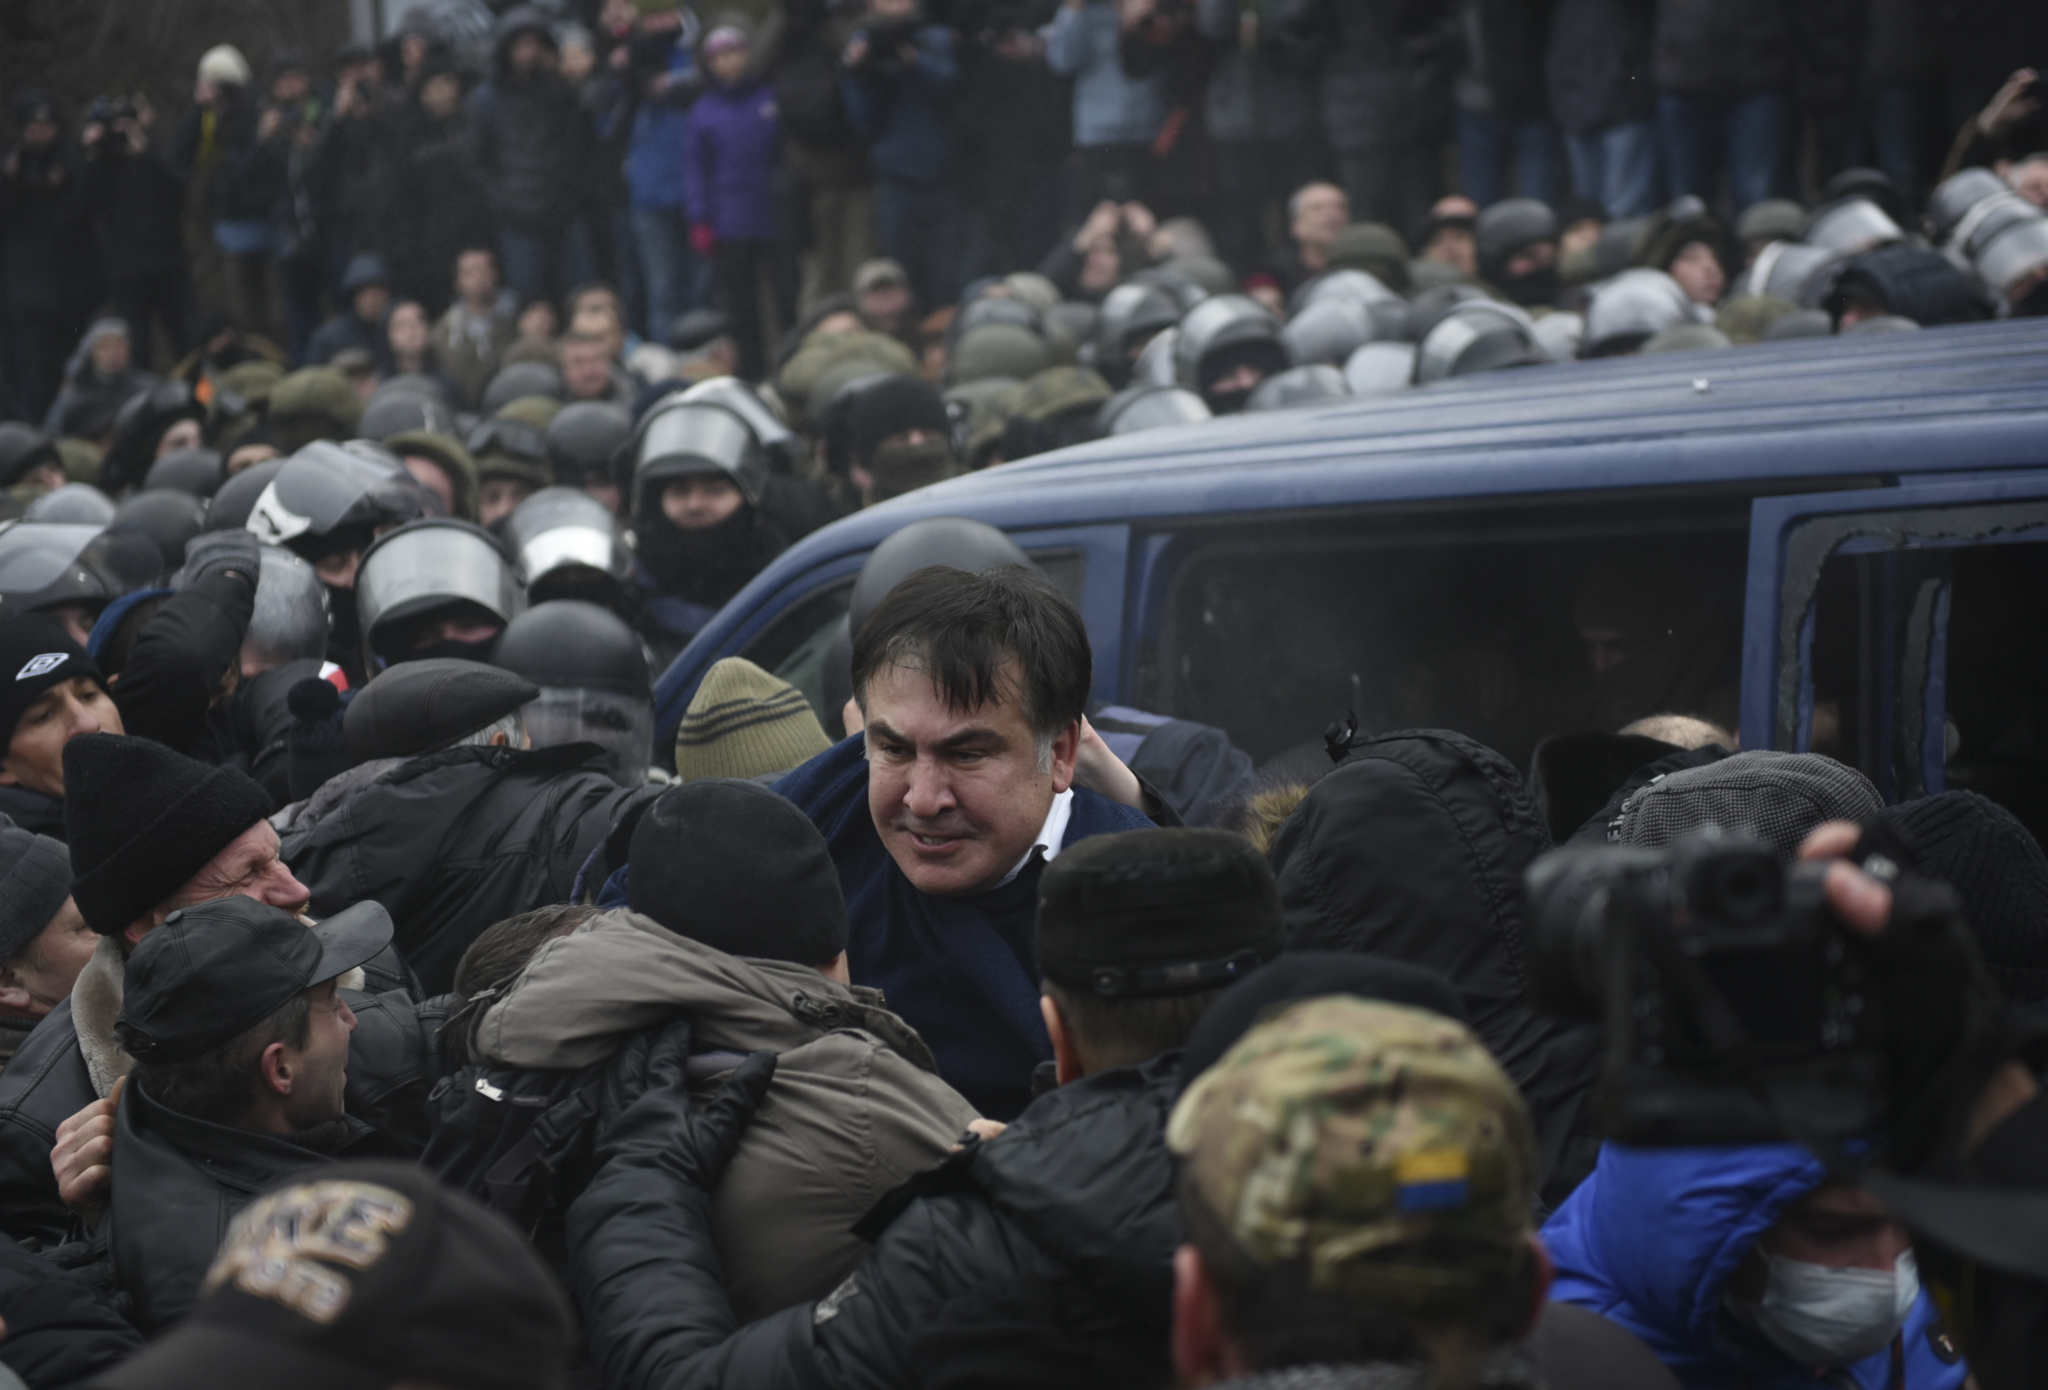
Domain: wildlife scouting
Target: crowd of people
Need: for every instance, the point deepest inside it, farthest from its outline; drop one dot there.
(383, 1003)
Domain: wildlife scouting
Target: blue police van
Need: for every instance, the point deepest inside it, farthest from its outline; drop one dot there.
(1833, 545)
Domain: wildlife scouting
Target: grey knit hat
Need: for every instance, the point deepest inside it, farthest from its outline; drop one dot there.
(35, 879)
(1779, 797)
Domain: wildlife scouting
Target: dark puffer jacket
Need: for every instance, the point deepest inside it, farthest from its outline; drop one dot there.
(534, 146)
(453, 841)
(1725, 48)
(1053, 1244)
(1598, 64)
(1386, 67)
(1414, 849)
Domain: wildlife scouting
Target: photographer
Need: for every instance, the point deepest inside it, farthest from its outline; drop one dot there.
(1886, 1051)
(1117, 115)
(898, 79)
(253, 195)
(134, 202)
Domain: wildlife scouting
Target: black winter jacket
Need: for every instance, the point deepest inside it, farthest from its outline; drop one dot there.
(39, 212)
(1726, 48)
(1053, 1245)
(1386, 67)
(136, 205)
(394, 1061)
(1414, 849)
(453, 841)
(1598, 64)
(180, 1181)
(61, 1331)
(532, 145)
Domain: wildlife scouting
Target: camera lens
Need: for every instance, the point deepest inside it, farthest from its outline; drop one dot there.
(1739, 886)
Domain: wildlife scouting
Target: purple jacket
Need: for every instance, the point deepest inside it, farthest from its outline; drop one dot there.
(729, 155)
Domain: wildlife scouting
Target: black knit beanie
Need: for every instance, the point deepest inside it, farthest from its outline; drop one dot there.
(35, 879)
(35, 654)
(891, 407)
(1977, 847)
(317, 750)
(142, 820)
(733, 865)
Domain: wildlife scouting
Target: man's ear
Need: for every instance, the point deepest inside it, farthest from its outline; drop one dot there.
(501, 739)
(1066, 1057)
(1066, 751)
(275, 1069)
(14, 998)
(1200, 1345)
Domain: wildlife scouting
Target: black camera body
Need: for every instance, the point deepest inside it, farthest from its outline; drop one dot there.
(1735, 1008)
(107, 110)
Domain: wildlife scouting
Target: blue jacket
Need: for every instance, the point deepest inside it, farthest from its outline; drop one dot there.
(729, 153)
(1109, 107)
(654, 146)
(962, 971)
(906, 116)
(1651, 1239)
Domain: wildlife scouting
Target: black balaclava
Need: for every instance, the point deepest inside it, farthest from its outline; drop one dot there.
(705, 566)
(1267, 355)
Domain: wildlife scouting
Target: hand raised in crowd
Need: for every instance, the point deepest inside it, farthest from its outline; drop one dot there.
(2015, 101)
(1103, 772)
(83, 1159)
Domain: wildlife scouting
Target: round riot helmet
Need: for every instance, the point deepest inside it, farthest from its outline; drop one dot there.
(1850, 226)
(1304, 385)
(1791, 271)
(1630, 309)
(1516, 241)
(331, 499)
(418, 384)
(74, 504)
(567, 544)
(1154, 364)
(169, 518)
(2001, 234)
(1225, 347)
(521, 379)
(1560, 334)
(1873, 185)
(405, 413)
(1132, 315)
(683, 439)
(23, 451)
(1433, 303)
(194, 471)
(593, 679)
(237, 497)
(1477, 337)
(994, 309)
(291, 619)
(783, 445)
(1138, 408)
(1075, 318)
(1330, 330)
(57, 568)
(1354, 286)
(960, 542)
(1380, 369)
(1950, 207)
(140, 428)
(583, 438)
(435, 587)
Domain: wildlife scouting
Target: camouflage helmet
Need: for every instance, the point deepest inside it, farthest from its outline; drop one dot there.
(1379, 1144)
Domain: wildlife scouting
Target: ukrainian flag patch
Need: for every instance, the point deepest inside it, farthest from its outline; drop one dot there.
(1434, 1180)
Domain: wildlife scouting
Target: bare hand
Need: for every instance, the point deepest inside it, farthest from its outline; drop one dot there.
(84, 1157)
(857, 51)
(1140, 220)
(1103, 772)
(2015, 101)
(267, 124)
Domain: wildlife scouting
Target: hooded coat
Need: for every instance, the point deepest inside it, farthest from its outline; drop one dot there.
(857, 1107)
(1047, 1250)
(453, 841)
(1652, 1237)
(1414, 848)
(532, 140)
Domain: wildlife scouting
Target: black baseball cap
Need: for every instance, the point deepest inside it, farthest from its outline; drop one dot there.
(1157, 912)
(212, 972)
(356, 1275)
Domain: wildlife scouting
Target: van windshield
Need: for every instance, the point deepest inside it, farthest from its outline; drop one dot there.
(1507, 628)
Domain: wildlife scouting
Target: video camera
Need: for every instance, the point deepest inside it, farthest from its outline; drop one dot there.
(1736, 1009)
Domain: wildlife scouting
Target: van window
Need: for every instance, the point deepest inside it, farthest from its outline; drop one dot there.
(1506, 626)
(1928, 671)
(795, 645)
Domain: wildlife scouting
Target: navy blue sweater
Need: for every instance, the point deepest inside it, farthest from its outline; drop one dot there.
(962, 971)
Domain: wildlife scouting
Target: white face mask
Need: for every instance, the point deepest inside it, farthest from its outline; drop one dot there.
(1820, 1315)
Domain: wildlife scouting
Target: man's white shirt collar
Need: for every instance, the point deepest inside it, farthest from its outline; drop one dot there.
(1050, 835)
